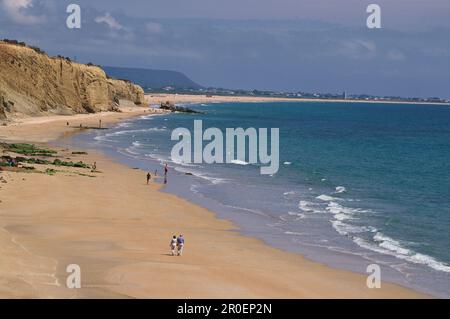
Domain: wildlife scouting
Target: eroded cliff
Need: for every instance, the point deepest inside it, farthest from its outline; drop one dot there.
(32, 84)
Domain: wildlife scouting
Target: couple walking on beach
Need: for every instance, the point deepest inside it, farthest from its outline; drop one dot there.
(178, 243)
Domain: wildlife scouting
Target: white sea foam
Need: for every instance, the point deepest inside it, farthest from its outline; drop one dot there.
(132, 149)
(298, 215)
(389, 246)
(129, 151)
(178, 162)
(213, 180)
(346, 229)
(293, 233)
(153, 129)
(305, 206)
(127, 132)
(325, 198)
(209, 178)
(124, 124)
(239, 162)
(340, 189)
(340, 212)
(147, 117)
(194, 189)
(253, 211)
(158, 158)
(287, 163)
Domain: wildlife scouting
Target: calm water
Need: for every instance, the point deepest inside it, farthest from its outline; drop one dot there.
(358, 183)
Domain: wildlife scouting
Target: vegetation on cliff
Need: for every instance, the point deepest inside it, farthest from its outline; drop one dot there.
(32, 84)
(32, 155)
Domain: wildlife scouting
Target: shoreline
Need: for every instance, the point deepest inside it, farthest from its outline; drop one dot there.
(158, 98)
(218, 263)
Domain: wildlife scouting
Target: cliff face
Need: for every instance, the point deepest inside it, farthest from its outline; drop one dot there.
(33, 83)
(126, 90)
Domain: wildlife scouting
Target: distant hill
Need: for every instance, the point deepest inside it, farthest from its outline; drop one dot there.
(155, 79)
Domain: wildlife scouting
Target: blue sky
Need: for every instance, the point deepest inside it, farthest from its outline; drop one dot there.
(308, 45)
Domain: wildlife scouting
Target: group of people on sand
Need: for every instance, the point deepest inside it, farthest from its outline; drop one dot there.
(178, 244)
(12, 162)
(166, 170)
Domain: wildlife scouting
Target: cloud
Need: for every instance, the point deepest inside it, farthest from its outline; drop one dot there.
(297, 54)
(110, 21)
(17, 11)
(357, 49)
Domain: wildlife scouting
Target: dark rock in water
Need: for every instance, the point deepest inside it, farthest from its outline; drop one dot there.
(190, 174)
(173, 108)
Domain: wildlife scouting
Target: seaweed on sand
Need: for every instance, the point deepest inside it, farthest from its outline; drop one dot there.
(29, 149)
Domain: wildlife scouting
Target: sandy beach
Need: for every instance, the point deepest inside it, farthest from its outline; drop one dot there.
(158, 98)
(117, 229)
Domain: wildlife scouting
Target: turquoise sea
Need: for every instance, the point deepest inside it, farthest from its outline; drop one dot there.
(358, 183)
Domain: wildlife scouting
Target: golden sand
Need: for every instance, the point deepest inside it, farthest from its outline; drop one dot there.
(117, 229)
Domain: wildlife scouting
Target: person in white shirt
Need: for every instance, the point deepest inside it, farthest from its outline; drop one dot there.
(173, 244)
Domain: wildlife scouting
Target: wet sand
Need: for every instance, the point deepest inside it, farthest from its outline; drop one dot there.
(118, 229)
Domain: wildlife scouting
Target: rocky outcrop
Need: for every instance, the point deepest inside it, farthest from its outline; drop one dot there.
(126, 90)
(3, 107)
(173, 108)
(32, 83)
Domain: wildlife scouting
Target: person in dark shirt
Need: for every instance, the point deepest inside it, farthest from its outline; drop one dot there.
(180, 244)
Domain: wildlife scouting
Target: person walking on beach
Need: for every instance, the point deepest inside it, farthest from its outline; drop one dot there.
(173, 244)
(94, 167)
(180, 244)
(149, 177)
(166, 170)
(100, 123)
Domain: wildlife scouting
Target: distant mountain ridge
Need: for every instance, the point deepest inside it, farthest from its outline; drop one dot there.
(151, 78)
